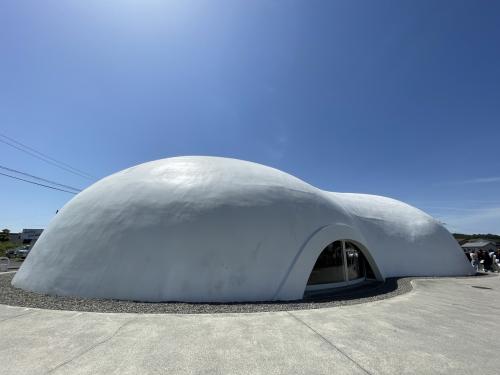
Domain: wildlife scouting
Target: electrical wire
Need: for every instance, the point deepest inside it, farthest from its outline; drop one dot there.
(39, 155)
(40, 179)
(36, 183)
(45, 160)
(46, 156)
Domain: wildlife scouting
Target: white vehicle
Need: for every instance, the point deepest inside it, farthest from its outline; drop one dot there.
(22, 252)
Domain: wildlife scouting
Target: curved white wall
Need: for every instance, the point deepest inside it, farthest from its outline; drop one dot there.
(216, 229)
(404, 240)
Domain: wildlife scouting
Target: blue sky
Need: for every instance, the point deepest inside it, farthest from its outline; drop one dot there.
(397, 98)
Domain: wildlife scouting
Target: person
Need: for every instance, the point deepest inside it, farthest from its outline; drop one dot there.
(480, 260)
(474, 261)
(495, 267)
(487, 261)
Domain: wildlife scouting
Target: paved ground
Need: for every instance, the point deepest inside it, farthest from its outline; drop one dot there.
(14, 265)
(443, 326)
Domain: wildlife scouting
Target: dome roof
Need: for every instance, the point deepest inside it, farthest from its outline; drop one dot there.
(205, 229)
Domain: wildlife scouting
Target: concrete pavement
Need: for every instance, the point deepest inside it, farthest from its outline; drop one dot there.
(446, 326)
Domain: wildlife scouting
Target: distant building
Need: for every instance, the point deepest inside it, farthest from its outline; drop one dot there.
(479, 244)
(30, 236)
(15, 238)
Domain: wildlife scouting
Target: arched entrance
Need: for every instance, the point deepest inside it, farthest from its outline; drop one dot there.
(340, 264)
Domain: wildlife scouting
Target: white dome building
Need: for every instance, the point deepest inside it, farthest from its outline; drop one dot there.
(201, 229)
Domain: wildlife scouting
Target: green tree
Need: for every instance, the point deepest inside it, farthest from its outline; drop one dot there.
(4, 235)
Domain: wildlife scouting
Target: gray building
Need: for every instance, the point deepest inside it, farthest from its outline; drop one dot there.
(479, 244)
(15, 238)
(30, 236)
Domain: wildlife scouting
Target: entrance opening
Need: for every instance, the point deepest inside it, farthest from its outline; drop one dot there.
(340, 264)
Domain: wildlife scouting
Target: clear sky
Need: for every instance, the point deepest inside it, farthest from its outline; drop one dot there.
(397, 98)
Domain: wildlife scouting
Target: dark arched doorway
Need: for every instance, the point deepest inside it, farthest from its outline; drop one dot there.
(341, 263)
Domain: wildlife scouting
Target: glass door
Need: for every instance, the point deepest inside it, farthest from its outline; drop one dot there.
(340, 264)
(355, 262)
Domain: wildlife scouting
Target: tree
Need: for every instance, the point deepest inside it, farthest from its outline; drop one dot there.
(4, 235)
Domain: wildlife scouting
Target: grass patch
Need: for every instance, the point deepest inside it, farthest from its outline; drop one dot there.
(4, 246)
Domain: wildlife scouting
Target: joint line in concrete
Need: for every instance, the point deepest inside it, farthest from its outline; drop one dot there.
(17, 316)
(330, 343)
(91, 347)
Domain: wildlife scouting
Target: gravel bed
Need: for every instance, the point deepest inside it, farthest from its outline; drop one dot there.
(367, 293)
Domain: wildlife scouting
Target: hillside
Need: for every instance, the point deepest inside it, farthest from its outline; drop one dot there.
(490, 237)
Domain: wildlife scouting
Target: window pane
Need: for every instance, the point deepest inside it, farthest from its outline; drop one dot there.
(355, 261)
(329, 267)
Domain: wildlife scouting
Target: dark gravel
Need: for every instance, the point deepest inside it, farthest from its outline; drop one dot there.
(367, 293)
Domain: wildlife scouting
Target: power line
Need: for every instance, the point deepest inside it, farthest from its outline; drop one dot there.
(36, 183)
(45, 160)
(40, 179)
(39, 155)
(48, 157)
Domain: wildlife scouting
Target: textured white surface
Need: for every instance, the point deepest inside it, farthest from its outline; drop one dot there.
(217, 229)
